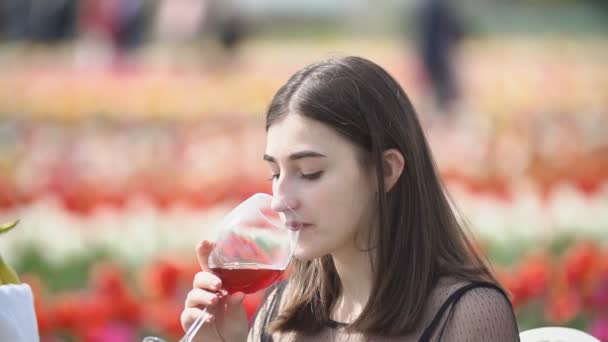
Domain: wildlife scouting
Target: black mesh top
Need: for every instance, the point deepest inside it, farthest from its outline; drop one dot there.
(456, 311)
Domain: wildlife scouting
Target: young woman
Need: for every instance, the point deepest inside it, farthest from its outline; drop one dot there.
(381, 255)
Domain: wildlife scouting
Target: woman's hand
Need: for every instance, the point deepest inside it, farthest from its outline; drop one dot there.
(226, 319)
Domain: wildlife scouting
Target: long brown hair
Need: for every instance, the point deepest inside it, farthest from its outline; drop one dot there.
(419, 238)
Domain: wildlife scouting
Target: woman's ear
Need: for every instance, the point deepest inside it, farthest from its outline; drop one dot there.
(393, 167)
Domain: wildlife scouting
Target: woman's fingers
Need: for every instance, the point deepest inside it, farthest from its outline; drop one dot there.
(201, 298)
(207, 281)
(189, 315)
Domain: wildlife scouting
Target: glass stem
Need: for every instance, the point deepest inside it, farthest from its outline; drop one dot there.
(198, 323)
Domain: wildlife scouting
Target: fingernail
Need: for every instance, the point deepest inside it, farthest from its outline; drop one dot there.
(210, 318)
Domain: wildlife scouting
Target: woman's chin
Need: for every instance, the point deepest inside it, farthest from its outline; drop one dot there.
(305, 254)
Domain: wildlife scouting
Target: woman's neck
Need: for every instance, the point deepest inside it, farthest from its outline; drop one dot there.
(355, 272)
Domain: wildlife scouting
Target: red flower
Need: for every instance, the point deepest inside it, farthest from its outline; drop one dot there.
(188, 270)
(126, 308)
(108, 279)
(66, 311)
(164, 318)
(79, 313)
(579, 264)
(108, 283)
(519, 290)
(161, 279)
(94, 311)
(563, 307)
(533, 276)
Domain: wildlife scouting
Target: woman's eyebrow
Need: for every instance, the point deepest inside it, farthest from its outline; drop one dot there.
(297, 155)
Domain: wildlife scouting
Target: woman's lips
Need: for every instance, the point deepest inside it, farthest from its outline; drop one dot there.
(295, 226)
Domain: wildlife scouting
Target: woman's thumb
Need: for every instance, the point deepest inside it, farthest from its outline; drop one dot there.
(203, 250)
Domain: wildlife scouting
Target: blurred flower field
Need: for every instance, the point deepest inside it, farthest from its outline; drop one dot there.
(116, 172)
(566, 284)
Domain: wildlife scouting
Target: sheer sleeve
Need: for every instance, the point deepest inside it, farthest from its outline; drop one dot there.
(483, 314)
(262, 316)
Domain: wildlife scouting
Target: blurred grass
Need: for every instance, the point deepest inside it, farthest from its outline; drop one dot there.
(71, 273)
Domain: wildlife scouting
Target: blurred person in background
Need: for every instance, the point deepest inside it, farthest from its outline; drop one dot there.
(99, 25)
(14, 19)
(227, 25)
(52, 20)
(110, 29)
(133, 18)
(46, 21)
(440, 30)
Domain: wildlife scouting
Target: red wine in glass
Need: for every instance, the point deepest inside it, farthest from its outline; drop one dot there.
(252, 248)
(247, 278)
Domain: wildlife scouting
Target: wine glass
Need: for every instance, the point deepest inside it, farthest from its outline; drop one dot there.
(253, 246)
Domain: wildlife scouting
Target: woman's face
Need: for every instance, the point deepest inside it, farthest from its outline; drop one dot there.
(316, 172)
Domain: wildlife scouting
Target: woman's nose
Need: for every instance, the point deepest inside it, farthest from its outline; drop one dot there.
(281, 203)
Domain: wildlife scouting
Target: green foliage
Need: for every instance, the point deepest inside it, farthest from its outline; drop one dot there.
(528, 315)
(71, 273)
(503, 253)
(558, 245)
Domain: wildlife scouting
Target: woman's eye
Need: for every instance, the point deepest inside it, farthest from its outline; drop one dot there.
(312, 176)
(274, 177)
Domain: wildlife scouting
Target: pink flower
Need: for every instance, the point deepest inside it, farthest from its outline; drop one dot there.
(599, 328)
(599, 296)
(113, 332)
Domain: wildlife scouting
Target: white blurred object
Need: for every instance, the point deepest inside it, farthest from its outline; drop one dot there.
(556, 334)
(17, 315)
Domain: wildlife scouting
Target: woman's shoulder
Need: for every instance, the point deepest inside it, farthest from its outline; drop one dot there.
(443, 289)
(448, 286)
(474, 311)
(469, 295)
